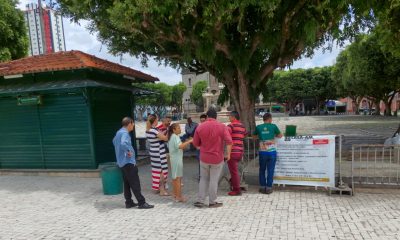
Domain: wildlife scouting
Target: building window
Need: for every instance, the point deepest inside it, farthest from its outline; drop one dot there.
(190, 82)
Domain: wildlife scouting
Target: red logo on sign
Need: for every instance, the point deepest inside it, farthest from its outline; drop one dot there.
(320, 141)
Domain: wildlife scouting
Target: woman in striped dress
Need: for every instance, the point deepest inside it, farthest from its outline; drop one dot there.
(159, 164)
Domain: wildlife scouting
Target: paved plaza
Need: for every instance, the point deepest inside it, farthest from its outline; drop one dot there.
(38, 207)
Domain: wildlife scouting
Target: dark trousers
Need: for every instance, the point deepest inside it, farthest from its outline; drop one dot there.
(131, 181)
(267, 167)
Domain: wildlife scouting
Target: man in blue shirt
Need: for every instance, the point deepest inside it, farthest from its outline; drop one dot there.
(126, 161)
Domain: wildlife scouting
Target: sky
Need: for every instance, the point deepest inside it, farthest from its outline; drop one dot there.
(77, 37)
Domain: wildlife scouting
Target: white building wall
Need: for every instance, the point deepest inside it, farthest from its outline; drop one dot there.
(35, 33)
(189, 80)
(33, 25)
(57, 31)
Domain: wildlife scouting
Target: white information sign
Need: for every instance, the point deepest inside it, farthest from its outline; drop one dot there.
(306, 160)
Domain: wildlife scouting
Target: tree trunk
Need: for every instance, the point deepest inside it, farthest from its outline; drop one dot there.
(388, 104)
(357, 102)
(244, 103)
(370, 104)
(318, 106)
(377, 107)
(293, 107)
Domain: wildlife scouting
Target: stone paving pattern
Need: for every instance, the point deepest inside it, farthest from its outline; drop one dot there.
(38, 207)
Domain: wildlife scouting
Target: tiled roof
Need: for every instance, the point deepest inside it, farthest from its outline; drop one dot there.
(67, 61)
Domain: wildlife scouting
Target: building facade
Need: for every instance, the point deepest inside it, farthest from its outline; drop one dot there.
(212, 92)
(45, 29)
(364, 105)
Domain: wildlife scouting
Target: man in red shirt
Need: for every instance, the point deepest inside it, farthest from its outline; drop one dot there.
(211, 136)
(237, 132)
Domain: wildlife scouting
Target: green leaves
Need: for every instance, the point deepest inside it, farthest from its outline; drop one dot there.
(365, 69)
(13, 33)
(295, 85)
(197, 92)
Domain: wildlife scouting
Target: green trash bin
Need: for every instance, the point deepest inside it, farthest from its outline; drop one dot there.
(107, 164)
(290, 131)
(111, 179)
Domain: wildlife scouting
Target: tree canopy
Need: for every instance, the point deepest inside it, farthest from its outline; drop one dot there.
(241, 42)
(177, 96)
(293, 86)
(165, 97)
(365, 69)
(388, 13)
(13, 34)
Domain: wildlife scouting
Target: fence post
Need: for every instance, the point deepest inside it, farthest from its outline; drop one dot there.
(352, 169)
(341, 182)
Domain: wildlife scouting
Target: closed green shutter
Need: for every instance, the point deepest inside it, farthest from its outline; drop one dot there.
(54, 135)
(108, 108)
(20, 145)
(65, 131)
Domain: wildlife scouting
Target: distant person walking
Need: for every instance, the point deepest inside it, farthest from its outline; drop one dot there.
(266, 133)
(126, 161)
(211, 136)
(176, 155)
(238, 132)
(159, 165)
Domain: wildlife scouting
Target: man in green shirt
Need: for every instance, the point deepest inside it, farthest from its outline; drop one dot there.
(266, 133)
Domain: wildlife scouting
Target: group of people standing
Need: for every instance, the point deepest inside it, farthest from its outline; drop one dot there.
(215, 142)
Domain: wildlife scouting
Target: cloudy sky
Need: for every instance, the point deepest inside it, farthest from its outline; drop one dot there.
(77, 37)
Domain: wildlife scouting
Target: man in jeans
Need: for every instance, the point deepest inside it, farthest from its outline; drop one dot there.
(211, 136)
(126, 161)
(266, 133)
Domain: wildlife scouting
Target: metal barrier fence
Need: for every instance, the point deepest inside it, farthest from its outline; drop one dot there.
(375, 164)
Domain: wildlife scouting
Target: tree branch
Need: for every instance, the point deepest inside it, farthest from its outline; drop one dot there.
(254, 45)
(223, 48)
(285, 28)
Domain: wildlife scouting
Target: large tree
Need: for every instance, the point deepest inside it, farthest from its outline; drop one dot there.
(13, 34)
(177, 96)
(158, 102)
(375, 69)
(241, 42)
(293, 86)
(388, 29)
(318, 85)
(347, 85)
(366, 69)
(286, 87)
(197, 93)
